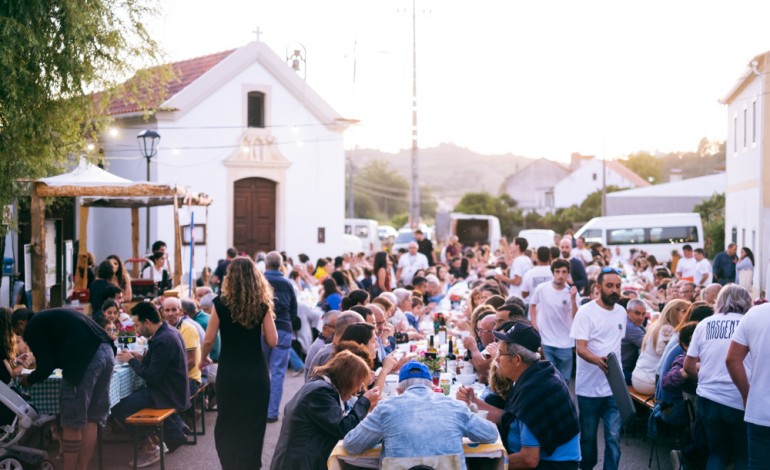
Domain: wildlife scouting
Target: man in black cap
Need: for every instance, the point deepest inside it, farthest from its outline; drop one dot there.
(68, 340)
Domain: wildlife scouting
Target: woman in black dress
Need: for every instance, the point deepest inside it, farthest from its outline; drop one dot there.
(243, 312)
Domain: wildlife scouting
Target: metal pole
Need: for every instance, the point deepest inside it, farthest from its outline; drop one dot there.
(414, 213)
(350, 184)
(147, 224)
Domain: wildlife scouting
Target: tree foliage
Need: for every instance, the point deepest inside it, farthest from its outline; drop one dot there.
(54, 55)
(712, 212)
(644, 165)
(380, 193)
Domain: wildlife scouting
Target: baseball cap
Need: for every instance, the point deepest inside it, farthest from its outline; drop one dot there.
(522, 334)
(414, 370)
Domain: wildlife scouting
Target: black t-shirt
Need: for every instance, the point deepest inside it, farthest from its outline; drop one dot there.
(221, 270)
(425, 247)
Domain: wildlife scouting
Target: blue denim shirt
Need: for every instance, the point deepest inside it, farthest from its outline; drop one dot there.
(419, 423)
(284, 302)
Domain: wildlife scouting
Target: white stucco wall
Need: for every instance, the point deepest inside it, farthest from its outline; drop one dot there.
(194, 147)
(576, 186)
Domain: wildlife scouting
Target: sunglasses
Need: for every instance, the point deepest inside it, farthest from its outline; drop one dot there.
(608, 270)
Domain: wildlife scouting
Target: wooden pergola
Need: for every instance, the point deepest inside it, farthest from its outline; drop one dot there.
(101, 189)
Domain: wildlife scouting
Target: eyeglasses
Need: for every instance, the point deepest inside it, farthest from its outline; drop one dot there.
(609, 269)
(111, 330)
(481, 330)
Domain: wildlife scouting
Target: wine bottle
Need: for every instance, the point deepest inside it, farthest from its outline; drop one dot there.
(431, 353)
(451, 359)
(442, 336)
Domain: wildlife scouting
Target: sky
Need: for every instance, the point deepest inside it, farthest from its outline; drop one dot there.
(536, 78)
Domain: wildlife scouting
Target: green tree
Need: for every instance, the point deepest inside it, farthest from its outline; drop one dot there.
(712, 213)
(644, 165)
(55, 54)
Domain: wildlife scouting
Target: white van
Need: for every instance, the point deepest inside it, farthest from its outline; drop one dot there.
(472, 228)
(367, 231)
(538, 237)
(657, 234)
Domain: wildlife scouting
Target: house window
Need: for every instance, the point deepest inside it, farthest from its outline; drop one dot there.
(754, 122)
(594, 176)
(745, 125)
(734, 235)
(549, 202)
(256, 109)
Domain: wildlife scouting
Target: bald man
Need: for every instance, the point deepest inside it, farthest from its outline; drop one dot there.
(710, 292)
(174, 316)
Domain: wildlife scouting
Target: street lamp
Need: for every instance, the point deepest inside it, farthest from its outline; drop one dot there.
(148, 147)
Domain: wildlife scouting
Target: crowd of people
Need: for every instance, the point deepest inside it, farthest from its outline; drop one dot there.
(526, 318)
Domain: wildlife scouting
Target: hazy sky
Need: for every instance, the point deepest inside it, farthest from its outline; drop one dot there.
(536, 78)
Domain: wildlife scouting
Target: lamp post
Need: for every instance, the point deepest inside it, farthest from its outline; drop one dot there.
(148, 147)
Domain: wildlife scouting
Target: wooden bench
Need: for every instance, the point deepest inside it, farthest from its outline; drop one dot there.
(198, 398)
(648, 401)
(150, 417)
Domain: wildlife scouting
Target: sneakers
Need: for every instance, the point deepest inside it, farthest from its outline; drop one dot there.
(174, 445)
(146, 458)
(676, 459)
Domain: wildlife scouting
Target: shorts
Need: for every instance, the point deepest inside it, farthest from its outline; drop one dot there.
(88, 402)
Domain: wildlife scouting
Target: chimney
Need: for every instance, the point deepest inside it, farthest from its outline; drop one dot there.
(577, 160)
(675, 175)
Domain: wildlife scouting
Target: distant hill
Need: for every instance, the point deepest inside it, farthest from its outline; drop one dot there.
(450, 171)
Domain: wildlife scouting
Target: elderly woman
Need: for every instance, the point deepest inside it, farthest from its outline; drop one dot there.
(314, 419)
(720, 405)
(539, 427)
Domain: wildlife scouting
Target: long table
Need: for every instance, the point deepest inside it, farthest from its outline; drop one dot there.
(370, 458)
(45, 395)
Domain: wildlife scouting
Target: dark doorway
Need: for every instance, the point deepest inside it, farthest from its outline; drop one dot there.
(254, 215)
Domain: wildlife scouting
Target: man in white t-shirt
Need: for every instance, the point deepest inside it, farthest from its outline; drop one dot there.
(720, 405)
(685, 268)
(598, 328)
(753, 336)
(539, 274)
(582, 252)
(409, 263)
(519, 267)
(703, 272)
(551, 309)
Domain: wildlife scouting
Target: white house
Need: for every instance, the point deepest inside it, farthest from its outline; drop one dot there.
(244, 128)
(533, 186)
(747, 201)
(588, 175)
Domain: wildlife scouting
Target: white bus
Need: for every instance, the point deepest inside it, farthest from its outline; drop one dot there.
(657, 234)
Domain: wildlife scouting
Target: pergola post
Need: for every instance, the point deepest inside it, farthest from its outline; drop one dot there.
(135, 240)
(177, 245)
(37, 212)
(82, 268)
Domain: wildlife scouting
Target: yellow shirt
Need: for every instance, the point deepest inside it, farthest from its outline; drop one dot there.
(192, 342)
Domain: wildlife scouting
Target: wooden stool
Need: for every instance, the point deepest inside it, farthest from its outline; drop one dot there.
(199, 397)
(150, 417)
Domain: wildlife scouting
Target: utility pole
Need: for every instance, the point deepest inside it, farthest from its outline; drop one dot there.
(414, 200)
(351, 213)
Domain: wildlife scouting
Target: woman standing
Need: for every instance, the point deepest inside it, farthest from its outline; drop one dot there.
(157, 272)
(243, 313)
(120, 276)
(720, 405)
(744, 269)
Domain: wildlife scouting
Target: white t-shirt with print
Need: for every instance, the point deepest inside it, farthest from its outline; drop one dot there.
(554, 315)
(521, 264)
(603, 329)
(685, 267)
(584, 254)
(754, 332)
(534, 277)
(709, 343)
(410, 264)
(703, 267)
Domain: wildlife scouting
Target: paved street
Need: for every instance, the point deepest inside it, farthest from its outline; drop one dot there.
(635, 451)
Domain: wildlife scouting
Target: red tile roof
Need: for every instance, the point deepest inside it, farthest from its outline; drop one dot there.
(185, 72)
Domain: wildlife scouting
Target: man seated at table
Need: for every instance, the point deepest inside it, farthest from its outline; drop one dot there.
(174, 316)
(164, 370)
(68, 340)
(408, 425)
(326, 352)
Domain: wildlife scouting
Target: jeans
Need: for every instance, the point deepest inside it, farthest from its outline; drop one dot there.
(295, 361)
(759, 446)
(140, 399)
(277, 359)
(591, 409)
(725, 433)
(561, 358)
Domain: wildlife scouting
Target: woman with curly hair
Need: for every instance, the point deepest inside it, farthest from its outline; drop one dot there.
(243, 313)
(120, 276)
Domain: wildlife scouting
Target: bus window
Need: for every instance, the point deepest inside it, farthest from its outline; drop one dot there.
(593, 235)
(362, 231)
(625, 236)
(348, 230)
(674, 235)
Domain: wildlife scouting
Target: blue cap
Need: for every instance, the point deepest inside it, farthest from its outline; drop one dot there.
(414, 370)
